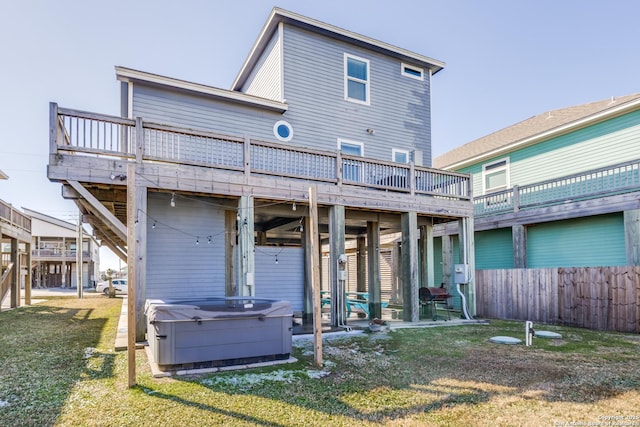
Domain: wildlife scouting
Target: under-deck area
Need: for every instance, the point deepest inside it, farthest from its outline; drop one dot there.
(127, 175)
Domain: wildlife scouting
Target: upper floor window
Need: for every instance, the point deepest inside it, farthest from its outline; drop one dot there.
(400, 156)
(495, 176)
(356, 79)
(411, 71)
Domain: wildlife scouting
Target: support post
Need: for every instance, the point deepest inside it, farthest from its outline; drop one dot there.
(230, 224)
(314, 251)
(409, 255)
(361, 264)
(427, 276)
(447, 260)
(15, 274)
(246, 245)
(632, 236)
(79, 237)
(308, 309)
(29, 277)
(336, 248)
(467, 256)
(136, 265)
(519, 237)
(373, 257)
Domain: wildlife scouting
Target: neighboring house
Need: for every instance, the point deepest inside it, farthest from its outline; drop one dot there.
(54, 259)
(15, 239)
(561, 189)
(206, 191)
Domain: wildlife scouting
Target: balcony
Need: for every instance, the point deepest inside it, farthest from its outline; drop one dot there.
(614, 180)
(88, 134)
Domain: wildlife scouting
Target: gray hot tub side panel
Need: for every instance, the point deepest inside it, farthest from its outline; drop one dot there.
(176, 338)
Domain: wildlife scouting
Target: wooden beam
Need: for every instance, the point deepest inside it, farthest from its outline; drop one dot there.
(519, 238)
(99, 210)
(230, 223)
(79, 240)
(314, 251)
(361, 264)
(336, 248)
(410, 312)
(131, 277)
(246, 246)
(632, 236)
(427, 270)
(15, 274)
(373, 258)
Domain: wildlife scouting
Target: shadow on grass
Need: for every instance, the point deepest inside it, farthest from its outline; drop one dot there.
(416, 373)
(44, 351)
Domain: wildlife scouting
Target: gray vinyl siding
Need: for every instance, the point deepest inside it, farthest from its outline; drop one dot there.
(583, 242)
(284, 280)
(399, 109)
(607, 143)
(266, 79)
(202, 113)
(177, 267)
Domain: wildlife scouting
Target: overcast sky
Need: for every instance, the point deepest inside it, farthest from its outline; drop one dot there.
(505, 61)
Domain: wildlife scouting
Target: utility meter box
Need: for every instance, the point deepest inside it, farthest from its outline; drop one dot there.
(461, 273)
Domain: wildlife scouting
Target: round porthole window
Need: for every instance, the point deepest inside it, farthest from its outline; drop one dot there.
(283, 131)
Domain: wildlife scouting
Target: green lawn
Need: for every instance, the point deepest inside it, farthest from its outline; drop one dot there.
(58, 367)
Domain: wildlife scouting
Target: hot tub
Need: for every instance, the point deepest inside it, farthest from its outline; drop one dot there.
(218, 331)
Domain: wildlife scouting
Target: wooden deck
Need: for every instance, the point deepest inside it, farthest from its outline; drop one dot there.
(89, 153)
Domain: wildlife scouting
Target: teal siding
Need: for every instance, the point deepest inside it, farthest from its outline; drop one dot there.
(583, 242)
(610, 142)
(494, 249)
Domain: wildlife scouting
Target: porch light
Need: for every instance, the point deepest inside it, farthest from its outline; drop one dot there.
(173, 200)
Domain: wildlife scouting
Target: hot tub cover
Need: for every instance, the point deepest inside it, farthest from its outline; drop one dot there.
(171, 310)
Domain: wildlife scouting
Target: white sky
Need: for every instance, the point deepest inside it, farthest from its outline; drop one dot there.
(506, 61)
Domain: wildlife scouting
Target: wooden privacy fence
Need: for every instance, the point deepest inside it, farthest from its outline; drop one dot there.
(600, 298)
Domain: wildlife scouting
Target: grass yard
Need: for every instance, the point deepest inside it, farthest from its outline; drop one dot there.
(58, 367)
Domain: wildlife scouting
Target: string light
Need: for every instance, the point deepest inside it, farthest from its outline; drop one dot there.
(154, 224)
(209, 240)
(301, 227)
(294, 207)
(173, 200)
(276, 258)
(198, 240)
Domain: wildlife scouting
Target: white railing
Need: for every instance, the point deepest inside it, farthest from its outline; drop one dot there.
(99, 135)
(611, 180)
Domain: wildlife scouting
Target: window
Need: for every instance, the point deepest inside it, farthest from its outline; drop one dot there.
(283, 131)
(495, 176)
(400, 156)
(356, 79)
(411, 71)
(351, 169)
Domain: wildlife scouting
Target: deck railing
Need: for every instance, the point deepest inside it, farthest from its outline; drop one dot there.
(101, 135)
(615, 179)
(14, 217)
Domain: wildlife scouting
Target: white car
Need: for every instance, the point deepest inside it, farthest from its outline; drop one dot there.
(119, 285)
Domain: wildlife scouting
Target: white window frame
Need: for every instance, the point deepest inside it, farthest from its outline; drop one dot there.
(395, 151)
(347, 78)
(404, 67)
(493, 168)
